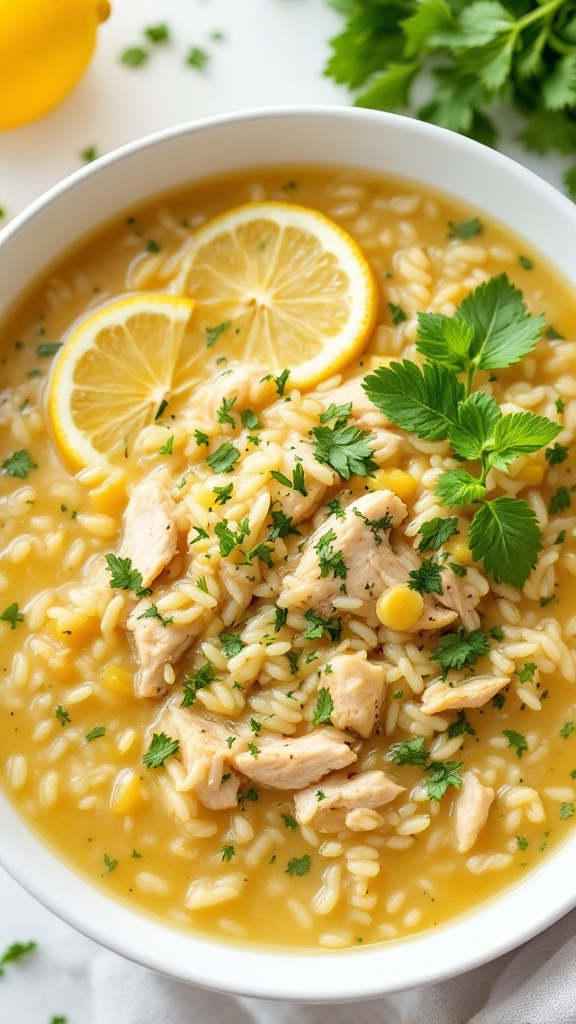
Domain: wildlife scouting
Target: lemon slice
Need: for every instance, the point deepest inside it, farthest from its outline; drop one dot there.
(290, 287)
(115, 370)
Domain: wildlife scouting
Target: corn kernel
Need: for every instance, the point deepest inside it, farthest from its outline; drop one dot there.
(397, 481)
(127, 794)
(110, 496)
(399, 607)
(461, 552)
(118, 679)
(532, 474)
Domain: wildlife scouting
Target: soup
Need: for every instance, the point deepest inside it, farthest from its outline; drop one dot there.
(259, 677)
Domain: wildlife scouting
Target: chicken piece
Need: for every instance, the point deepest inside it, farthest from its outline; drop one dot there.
(245, 383)
(155, 646)
(458, 597)
(356, 686)
(471, 693)
(149, 537)
(371, 564)
(471, 806)
(295, 763)
(204, 751)
(365, 415)
(342, 797)
(297, 449)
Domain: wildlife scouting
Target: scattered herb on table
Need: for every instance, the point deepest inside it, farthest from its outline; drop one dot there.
(15, 952)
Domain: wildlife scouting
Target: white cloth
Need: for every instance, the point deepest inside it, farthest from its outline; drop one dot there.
(536, 984)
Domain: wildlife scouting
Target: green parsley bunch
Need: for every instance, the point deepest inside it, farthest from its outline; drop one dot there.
(491, 329)
(478, 55)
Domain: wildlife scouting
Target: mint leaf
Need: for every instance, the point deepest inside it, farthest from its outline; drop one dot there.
(421, 401)
(505, 535)
(458, 487)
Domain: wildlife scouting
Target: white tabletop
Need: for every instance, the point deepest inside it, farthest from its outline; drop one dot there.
(272, 53)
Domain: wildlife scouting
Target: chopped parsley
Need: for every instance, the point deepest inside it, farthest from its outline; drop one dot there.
(153, 613)
(427, 578)
(461, 726)
(279, 381)
(12, 615)
(290, 822)
(299, 865)
(228, 538)
(436, 532)
(521, 842)
(397, 314)
(166, 448)
(460, 650)
(516, 739)
(566, 811)
(62, 715)
(527, 672)
(201, 438)
(223, 494)
(223, 413)
(161, 747)
(197, 58)
(109, 863)
(465, 228)
(15, 952)
(280, 616)
(324, 707)
(567, 729)
(231, 643)
(96, 733)
(297, 481)
(409, 752)
(224, 458)
(346, 449)
(228, 852)
(557, 454)
(336, 412)
(330, 561)
(197, 681)
(134, 56)
(318, 626)
(282, 526)
(444, 774)
(560, 501)
(249, 419)
(48, 348)
(19, 464)
(124, 576)
(253, 749)
(157, 33)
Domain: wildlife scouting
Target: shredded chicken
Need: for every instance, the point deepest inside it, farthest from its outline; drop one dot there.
(342, 797)
(471, 693)
(295, 763)
(356, 686)
(246, 383)
(372, 563)
(204, 754)
(149, 537)
(471, 806)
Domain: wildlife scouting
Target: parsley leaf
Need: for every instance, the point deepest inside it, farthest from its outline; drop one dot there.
(231, 643)
(19, 464)
(559, 501)
(299, 865)
(228, 538)
(224, 458)
(282, 526)
(460, 650)
(324, 707)
(15, 952)
(505, 534)
(444, 774)
(161, 747)
(166, 448)
(96, 733)
(223, 413)
(290, 822)
(458, 487)
(555, 455)
(409, 752)
(249, 419)
(465, 228)
(197, 681)
(297, 481)
(12, 615)
(421, 401)
(397, 314)
(516, 739)
(62, 715)
(124, 577)
(330, 561)
(436, 532)
(461, 726)
(336, 412)
(319, 626)
(346, 449)
(427, 578)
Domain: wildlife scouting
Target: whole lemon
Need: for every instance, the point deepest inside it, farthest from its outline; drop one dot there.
(45, 47)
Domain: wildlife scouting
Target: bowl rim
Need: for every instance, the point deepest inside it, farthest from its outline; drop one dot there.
(499, 924)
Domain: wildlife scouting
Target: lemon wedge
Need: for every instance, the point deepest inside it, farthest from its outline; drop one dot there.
(114, 372)
(287, 286)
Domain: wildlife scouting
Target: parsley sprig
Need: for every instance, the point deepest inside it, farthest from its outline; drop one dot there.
(479, 56)
(491, 329)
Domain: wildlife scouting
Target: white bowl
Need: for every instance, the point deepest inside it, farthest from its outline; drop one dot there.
(405, 148)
